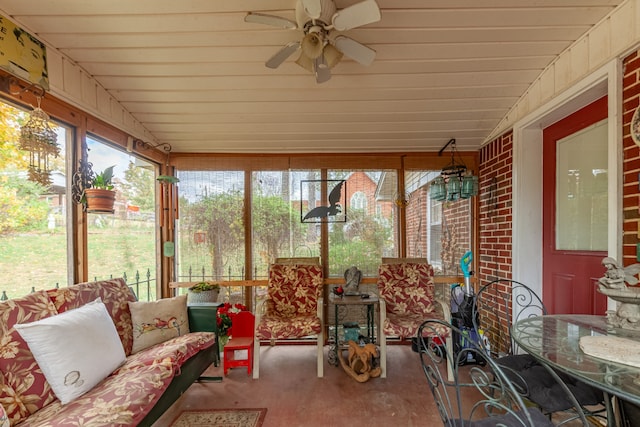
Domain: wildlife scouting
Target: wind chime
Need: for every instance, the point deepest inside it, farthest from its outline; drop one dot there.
(40, 140)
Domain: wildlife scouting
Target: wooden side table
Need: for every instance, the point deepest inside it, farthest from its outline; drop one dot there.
(341, 305)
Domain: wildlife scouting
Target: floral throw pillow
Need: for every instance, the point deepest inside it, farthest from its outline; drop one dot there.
(158, 321)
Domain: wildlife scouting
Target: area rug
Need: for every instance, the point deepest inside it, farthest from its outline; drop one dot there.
(245, 417)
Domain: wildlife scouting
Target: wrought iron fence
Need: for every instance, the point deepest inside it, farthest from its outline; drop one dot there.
(143, 285)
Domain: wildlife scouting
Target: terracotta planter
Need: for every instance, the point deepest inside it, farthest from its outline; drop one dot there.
(100, 201)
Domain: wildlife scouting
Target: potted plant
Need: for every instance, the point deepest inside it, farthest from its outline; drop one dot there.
(101, 196)
(203, 292)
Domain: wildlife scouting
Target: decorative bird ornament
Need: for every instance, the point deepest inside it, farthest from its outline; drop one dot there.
(334, 207)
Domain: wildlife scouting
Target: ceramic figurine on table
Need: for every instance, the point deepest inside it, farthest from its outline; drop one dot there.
(616, 275)
(614, 285)
(352, 277)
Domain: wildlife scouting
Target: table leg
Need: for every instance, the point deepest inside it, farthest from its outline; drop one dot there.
(333, 349)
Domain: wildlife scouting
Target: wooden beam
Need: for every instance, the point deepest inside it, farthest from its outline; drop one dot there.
(326, 281)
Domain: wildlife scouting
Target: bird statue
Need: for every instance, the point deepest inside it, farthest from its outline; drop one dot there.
(334, 207)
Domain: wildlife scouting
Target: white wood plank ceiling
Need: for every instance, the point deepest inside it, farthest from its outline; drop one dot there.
(193, 74)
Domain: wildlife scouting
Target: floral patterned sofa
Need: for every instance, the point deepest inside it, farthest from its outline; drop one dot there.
(136, 393)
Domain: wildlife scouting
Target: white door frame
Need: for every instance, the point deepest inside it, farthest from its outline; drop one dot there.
(527, 170)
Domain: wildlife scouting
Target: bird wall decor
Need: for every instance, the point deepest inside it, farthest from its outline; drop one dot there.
(334, 208)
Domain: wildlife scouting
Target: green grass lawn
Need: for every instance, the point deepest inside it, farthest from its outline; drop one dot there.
(39, 260)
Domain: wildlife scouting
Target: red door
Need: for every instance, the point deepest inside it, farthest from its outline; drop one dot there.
(575, 211)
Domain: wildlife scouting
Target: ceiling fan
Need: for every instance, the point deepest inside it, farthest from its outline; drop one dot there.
(319, 49)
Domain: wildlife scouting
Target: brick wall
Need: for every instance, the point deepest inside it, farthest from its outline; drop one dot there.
(495, 215)
(417, 227)
(457, 218)
(631, 158)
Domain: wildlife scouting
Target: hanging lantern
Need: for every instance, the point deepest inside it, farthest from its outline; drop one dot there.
(469, 186)
(455, 181)
(437, 189)
(37, 137)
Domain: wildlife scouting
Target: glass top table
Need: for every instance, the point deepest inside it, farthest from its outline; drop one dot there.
(555, 340)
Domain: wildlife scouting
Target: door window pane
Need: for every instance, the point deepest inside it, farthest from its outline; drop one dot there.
(581, 190)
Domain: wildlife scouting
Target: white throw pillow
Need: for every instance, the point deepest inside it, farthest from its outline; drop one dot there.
(75, 349)
(158, 321)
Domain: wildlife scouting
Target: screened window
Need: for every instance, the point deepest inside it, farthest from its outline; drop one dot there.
(123, 244)
(438, 231)
(279, 199)
(369, 232)
(211, 226)
(33, 216)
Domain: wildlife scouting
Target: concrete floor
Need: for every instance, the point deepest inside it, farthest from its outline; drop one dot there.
(295, 396)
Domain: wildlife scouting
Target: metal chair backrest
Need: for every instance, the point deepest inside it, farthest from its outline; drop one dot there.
(498, 305)
(483, 394)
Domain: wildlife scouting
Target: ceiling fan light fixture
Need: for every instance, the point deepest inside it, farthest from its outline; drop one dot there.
(312, 45)
(331, 55)
(305, 62)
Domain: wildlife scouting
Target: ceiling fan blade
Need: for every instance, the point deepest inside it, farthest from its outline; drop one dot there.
(363, 13)
(322, 70)
(313, 8)
(355, 50)
(274, 21)
(282, 55)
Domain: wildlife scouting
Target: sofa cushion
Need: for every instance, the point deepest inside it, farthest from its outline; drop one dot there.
(274, 327)
(175, 351)
(118, 401)
(75, 349)
(25, 389)
(407, 325)
(114, 294)
(158, 321)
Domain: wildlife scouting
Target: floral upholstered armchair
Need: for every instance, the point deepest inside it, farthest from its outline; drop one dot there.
(293, 307)
(407, 298)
